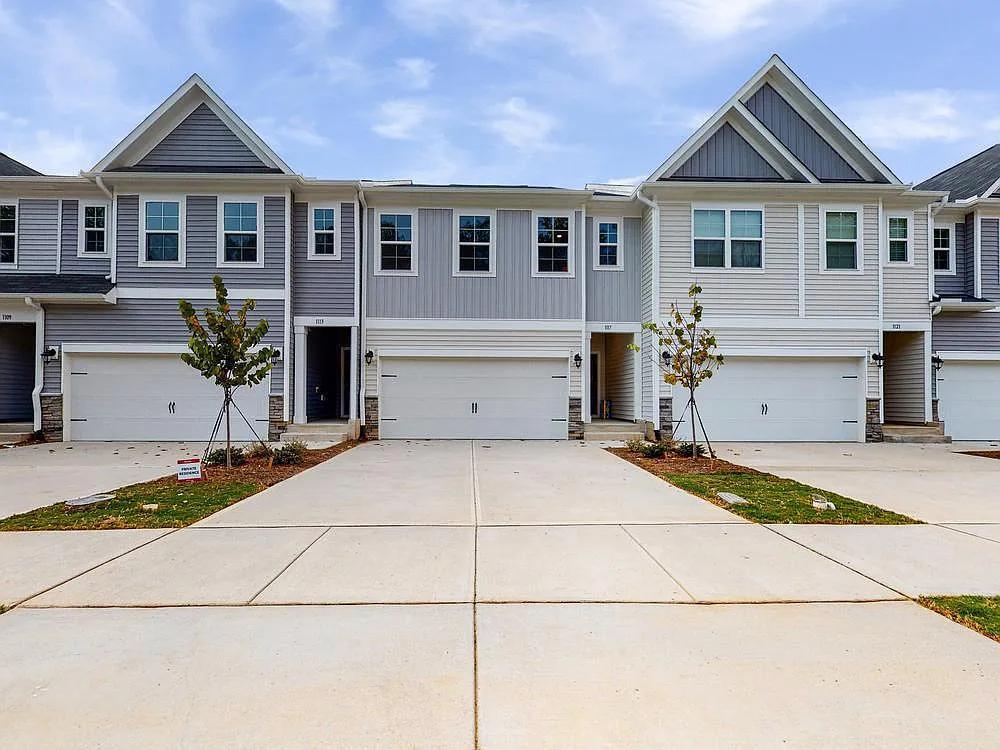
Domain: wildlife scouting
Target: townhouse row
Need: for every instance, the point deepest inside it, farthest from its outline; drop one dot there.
(464, 311)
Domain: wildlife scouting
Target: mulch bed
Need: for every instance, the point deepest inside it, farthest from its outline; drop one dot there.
(674, 464)
(982, 454)
(261, 472)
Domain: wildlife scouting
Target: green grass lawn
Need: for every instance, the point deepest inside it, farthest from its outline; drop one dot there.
(981, 613)
(777, 500)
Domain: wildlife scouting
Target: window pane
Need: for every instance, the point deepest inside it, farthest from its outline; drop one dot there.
(709, 223)
(897, 228)
(162, 215)
(8, 219)
(93, 241)
(942, 237)
(325, 244)
(608, 255)
(942, 260)
(553, 259)
(841, 255)
(161, 247)
(746, 254)
(544, 223)
(395, 256)
(241, 248)
(607, 233)
(746, 224)
(93, 217)
(710, 253)
(561, 223)
(323, 220)
(474, 258)
(897, 251)
(841, 225)
(7, 248)
(240, 217)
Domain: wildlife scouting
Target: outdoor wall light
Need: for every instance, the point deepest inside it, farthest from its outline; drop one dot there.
(578, 361)
(665, 355)
(937, 363)
(878, 359)
(49, 354)
(369, 356)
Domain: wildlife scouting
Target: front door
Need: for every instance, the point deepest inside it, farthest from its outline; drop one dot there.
(595, 374)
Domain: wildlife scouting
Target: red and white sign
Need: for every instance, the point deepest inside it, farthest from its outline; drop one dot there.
(188, 469)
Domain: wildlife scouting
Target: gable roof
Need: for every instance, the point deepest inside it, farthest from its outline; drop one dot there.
(975, 177)
(193, 115)
(726, 155)
(13, 168)
(790, 128)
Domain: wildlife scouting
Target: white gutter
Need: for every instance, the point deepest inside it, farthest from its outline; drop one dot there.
(362, 316)
(113, 230)
(584, 338)
(654, 291)
(285, 359)
(36, 392)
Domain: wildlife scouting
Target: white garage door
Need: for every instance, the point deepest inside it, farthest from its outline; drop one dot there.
(778, 399)
(969, 399)
(473, 398)
(152, 397)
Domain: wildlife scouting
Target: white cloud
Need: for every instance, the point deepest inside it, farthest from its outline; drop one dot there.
(48, 152)
(294, 130)
(485, 22)
(902, 118)
(313, 14)
(416, 71)
(520, 125)
(400, 119)
(717, 20)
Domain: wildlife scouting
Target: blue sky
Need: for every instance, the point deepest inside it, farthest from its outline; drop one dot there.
(504, 91)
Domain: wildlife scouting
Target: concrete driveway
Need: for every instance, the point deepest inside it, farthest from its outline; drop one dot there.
(933, 483)
(491, 594)
(33, 476)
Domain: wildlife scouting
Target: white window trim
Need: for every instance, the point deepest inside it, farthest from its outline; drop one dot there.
(311, 233)
(728, 238)
(16, 203)
(456, 213)
(908, 215)
(620, 265)
(848, 208)
(571, 249)
(81, 243)
(220, 234)
(414, 254)
(951, 270)
(181, 201)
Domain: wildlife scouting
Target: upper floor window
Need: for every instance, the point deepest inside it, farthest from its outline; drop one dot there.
(552, 245)
(163, 241)
(240, 232)
(608, 254)
(899, 239)
(93, 229)
(474, 245)
(943, 256)
(323, 232)
(8, 234)
(840, 240)
(397, 252)
(728, 238)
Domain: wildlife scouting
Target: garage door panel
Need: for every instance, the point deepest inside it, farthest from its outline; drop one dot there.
(969, 399)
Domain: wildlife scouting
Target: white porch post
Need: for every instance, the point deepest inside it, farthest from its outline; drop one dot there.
(300, 374)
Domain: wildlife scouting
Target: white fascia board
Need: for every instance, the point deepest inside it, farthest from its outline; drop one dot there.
(197, 293)
(467, 324)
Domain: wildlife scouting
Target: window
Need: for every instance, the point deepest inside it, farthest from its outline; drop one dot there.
(240, 236)
(552, 241)
(474, 243)
(728, 238)
(8, 234)
(323, 232)
(942, 249)
(162, 231)
(93, 229)
(841, 240)
(607, 247)
(397, 250)
(899, 239)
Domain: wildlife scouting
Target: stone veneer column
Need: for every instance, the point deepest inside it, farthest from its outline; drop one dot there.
(276, 423)
(52, 416)
(667, 417)
(575, 419)
(371, 418)
(873, 424)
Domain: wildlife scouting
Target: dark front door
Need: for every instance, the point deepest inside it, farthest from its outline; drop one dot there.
(17, 371)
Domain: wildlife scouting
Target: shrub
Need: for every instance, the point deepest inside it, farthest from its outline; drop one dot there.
(290, 453)
(635, 445)
(684, 449)
(259, 450)
(654, 450)
(218, 457)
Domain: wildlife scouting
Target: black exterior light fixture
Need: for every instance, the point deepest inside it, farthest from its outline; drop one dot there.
(578, 361)
(937, 363)
(369, 356)
(878, 359)
(49, 354)
(665, 356)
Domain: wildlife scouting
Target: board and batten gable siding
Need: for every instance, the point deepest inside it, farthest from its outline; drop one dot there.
(726, 154)
(323, 286)
(513, 294)
(729, 291)
(971, 331)
(146, 321)
(202, 140)
(842, 294)
(69, 244)
(37, 236)
(989, 249)
(905, 292)
(953, 285)
(201, 248)
(613, 296)
(647, 342)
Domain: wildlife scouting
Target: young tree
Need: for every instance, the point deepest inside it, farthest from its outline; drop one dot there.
(226, 349)
(688, 357)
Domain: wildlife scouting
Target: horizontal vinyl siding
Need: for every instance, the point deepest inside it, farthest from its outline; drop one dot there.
(966, 331)
(512, 294)
(37, 236)
(905, 287)
(69, 262)
(613, 296)
(775, 292)
(841, 295)
(562, 342)
(904, 378)
(201, 243)
(990, 249)
(953, 285)
(201, 140)
(17, 371)
(619, 371)
(323, 286)
(143, 322)
(970, 253)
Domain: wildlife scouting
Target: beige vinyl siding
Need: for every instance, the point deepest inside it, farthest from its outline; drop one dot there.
(619, 372)
(545, 342)
(728, 291)
(650, 410)
(904, 377)
(841, 294)
(905, 287)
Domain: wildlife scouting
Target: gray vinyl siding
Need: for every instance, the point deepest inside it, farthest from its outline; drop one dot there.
(144, 322)
(975, 331)
(17, 371)
(37, 236)
(905, 292)
(201, 248)
(323, 286)
(953, 285)
(841, 294)
(970, 253)
(648, 372)
(726, 154)
(613, 296)
(729, 291)
(618, 374)
(904, 378)
(990, 253)
(69, 244)
(799, 137)
(201, 140)
(513, 294)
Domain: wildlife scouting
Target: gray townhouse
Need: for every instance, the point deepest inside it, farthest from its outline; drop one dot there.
(966, 322)
(476, 311)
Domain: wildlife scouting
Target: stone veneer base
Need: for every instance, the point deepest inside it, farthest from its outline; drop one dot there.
(52, 416)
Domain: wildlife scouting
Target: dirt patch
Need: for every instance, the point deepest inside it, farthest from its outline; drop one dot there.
(260, 471)
(981, 454)
(674, 464)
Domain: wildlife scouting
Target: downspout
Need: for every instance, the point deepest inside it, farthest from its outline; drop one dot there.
(362, 316)
(654, 293)
(99, 181)
(585, 384)
(36, 392)
(286, 355)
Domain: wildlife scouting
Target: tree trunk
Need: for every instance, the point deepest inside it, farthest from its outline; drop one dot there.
(229, 447)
